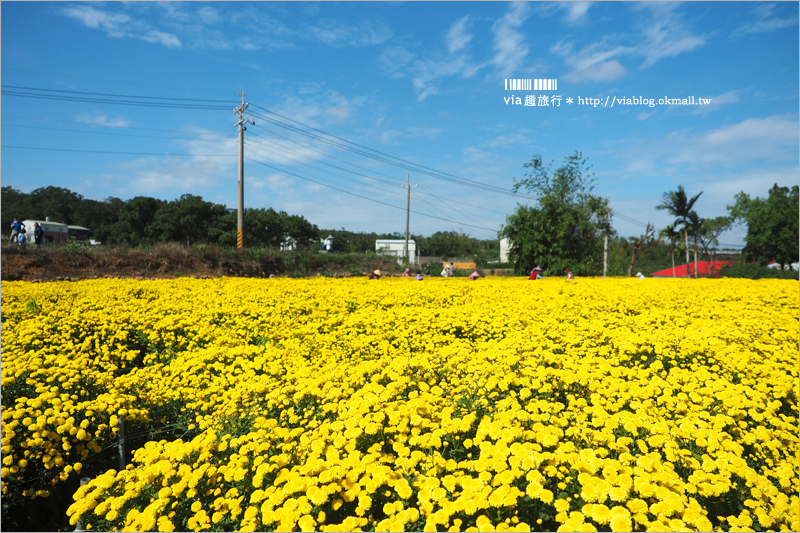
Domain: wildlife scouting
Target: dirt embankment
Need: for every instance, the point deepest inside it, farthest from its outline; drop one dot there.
(171, 261)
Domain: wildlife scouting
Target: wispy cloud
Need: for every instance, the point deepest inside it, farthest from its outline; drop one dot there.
(765, 19)
(102, 120)
(593, 63)
(576, 11)
(509, 42)
(119, 25)
(427, 72)
(666, 34)
(662, 34)
(457, 36)
(337, 33)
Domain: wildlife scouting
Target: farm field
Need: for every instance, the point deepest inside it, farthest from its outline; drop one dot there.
(492, 405)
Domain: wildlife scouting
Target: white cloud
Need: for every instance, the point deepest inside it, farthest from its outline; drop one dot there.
(765, 20)
(94, 18)
(119, 25)
(457, 37)
(337, 33)
(155, 36)
(576, 11)
(208, 15)
(594, 62)
(103, 120)
(427, 72)
(770, 139)
(665, 34)
(509, 42)
(173, 175)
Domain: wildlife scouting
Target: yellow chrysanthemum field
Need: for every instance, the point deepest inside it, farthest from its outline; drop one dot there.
(492, 405)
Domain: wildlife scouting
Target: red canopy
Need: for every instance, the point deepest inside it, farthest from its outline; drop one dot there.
(702, 270)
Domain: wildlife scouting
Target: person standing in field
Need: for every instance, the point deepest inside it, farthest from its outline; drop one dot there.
(38, 234)
(22, 239)
(16, 228)
(536, 273)
(329, 244)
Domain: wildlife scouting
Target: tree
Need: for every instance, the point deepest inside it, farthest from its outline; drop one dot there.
(710, 230)
(134, 224)
(189, 219)
(679, 205)
(648, 233)
(772, 224)
(673, 237)
(564, 227)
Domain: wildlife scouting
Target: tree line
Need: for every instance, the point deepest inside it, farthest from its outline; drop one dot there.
(143, 221)
(566, 225)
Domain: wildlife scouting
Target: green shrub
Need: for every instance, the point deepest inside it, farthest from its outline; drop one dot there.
(756, 271)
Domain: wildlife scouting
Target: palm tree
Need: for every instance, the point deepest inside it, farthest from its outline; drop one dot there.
(677, 204)
(695, 228)
(672, 237)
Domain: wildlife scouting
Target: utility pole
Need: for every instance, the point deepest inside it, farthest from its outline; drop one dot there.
(605, 249)
(240, 217)
(408, 210)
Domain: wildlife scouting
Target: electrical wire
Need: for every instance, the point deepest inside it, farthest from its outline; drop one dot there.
(111, 152)
(352, 193)
(114, 99)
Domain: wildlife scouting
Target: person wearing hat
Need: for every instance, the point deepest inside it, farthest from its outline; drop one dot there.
(406, 273)
(474, 275)
(329, 244)
(640, 275)
(376, 274)
(570, 275)
(536, 273)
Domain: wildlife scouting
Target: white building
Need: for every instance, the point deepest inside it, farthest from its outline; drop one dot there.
(396, 247)
(505, 244)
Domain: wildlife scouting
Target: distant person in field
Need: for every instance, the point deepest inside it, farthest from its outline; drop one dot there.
(640, 275)
(536, 273)
(376, 274)
(474, 275)
(16, 228)
(418, 277)
(22, 239)
(570, 275)
(38, 234)
(406, 273)
(328, 247)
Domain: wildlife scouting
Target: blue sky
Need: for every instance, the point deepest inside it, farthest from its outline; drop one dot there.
(420, 82)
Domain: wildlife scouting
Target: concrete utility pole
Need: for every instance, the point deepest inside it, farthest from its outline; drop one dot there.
(408, 210)
(605, 249)
(240, 217)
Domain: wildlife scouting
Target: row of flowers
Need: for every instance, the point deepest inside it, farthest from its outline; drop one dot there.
(397, 405)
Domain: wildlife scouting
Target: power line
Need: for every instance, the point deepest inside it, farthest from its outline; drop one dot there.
(110, 152)
(105, 132)
(108, 80)
(114, 99)
(378, 155)
(352, 193)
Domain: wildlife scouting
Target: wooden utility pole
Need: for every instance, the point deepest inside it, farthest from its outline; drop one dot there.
(408, 210)
(240, 216)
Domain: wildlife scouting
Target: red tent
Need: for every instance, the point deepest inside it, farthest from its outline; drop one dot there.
(702, 270)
